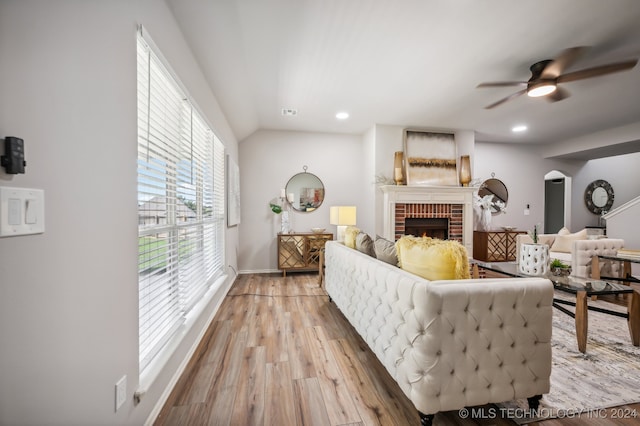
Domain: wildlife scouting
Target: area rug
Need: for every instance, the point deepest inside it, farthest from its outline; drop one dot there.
(607, 375)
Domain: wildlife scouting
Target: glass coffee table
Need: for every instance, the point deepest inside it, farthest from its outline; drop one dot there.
(583, 289)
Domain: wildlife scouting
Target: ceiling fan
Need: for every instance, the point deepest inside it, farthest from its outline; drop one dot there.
(547, 74)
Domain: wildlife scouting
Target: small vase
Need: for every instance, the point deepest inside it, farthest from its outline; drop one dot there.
(485, 220)
(534, 259)
(285, 226)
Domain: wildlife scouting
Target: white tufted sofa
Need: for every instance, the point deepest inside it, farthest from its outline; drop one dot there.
(582, 251)
(448, 344)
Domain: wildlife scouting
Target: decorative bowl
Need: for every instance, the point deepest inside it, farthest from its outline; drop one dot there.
(509, 228)
(317, 230)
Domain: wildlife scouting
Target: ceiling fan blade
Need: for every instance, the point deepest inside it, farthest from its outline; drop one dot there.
(597, 71)
(508, 98)
(562, 62)
(502, 84)
(558, 95)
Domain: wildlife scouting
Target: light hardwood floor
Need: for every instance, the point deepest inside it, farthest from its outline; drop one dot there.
(279, 353)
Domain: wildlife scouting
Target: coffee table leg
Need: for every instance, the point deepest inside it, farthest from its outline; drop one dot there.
(582, 320)
(634, 317)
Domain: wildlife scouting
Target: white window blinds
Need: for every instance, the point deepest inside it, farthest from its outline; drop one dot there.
(180, 204)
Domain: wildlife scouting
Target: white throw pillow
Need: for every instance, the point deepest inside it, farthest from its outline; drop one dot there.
(563, 243)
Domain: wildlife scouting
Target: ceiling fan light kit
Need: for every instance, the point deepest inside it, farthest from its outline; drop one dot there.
(547, 74)
(541, 88)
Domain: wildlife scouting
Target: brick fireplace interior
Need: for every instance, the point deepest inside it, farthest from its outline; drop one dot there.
(443, 221)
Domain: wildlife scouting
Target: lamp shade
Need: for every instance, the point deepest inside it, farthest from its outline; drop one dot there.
(342, 215)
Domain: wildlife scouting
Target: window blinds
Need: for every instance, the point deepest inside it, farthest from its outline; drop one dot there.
(180, 204)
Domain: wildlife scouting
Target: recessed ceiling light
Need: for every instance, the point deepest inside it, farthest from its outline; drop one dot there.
(342, 115)
(519, 128)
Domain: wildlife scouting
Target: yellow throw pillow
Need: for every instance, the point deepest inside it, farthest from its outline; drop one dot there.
(563, 243)
(433, 259)
(350, 235)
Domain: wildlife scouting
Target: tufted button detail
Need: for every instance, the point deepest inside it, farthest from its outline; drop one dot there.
(501, 325)
(477, 367)
(489, 347)
(501, 364)
(439, 312)
(524, 361)
(439, 353)
(514, 306)
(489, 385)
(491, 307)
(513, 344)
(526, 324)
(452, 372)
(453, 330)
(464, 390)
(437, 394)
(477, 328)
(464, 350)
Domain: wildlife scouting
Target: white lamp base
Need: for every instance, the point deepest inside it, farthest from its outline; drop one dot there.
(340, 233)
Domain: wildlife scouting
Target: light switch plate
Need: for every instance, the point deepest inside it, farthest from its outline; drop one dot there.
(21, 211)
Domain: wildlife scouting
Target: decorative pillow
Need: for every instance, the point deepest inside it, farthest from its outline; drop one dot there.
(564, 231)
(350, 235)
(563, 243)
(433, 259)
(386, 251)
(364, 244)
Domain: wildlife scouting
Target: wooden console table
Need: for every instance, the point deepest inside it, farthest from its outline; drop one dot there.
(301, 251)
(495, 246)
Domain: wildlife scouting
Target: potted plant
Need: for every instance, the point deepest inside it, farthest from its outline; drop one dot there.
(534, 257)
(559, 268)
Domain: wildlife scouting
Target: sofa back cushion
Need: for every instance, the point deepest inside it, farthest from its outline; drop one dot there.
(433, 259)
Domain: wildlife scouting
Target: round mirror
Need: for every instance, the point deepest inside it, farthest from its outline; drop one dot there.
(499, 191)
(599, 197)
(305, 191)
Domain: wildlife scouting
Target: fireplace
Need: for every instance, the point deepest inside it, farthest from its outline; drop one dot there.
(402, 204)
(427, 227)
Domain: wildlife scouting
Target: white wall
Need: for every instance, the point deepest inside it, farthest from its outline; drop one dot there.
(268, 159)
(522, 169)
(68, 297)
(622, 172)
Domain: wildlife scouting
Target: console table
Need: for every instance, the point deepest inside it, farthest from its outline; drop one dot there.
(301, 251)
(495, 246)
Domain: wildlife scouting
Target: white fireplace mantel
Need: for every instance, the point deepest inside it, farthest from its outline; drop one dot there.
(402, 194)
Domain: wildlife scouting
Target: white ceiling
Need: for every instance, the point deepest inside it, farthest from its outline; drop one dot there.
(412, 63)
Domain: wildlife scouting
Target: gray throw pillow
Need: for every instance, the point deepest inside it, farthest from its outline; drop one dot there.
(364, 244)
(386, 251)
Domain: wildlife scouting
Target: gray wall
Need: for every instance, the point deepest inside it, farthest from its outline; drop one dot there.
(68, 297)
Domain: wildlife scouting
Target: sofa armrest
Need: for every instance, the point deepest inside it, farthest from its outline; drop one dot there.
(582, 251)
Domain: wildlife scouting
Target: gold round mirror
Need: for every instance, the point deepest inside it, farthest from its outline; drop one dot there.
(305, 191)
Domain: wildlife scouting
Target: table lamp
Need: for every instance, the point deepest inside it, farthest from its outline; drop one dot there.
(342, 216)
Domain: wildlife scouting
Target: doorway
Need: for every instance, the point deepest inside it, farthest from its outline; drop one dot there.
(557, 202)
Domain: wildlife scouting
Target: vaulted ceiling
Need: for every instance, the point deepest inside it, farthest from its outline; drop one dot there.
(412, 63)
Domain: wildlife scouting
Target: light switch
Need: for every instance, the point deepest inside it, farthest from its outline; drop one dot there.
(21, 211)
(31, 211)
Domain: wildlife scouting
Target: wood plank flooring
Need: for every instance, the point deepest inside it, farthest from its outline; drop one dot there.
(279, 353)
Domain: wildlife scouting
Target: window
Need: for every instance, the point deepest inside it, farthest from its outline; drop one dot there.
(180, 204)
